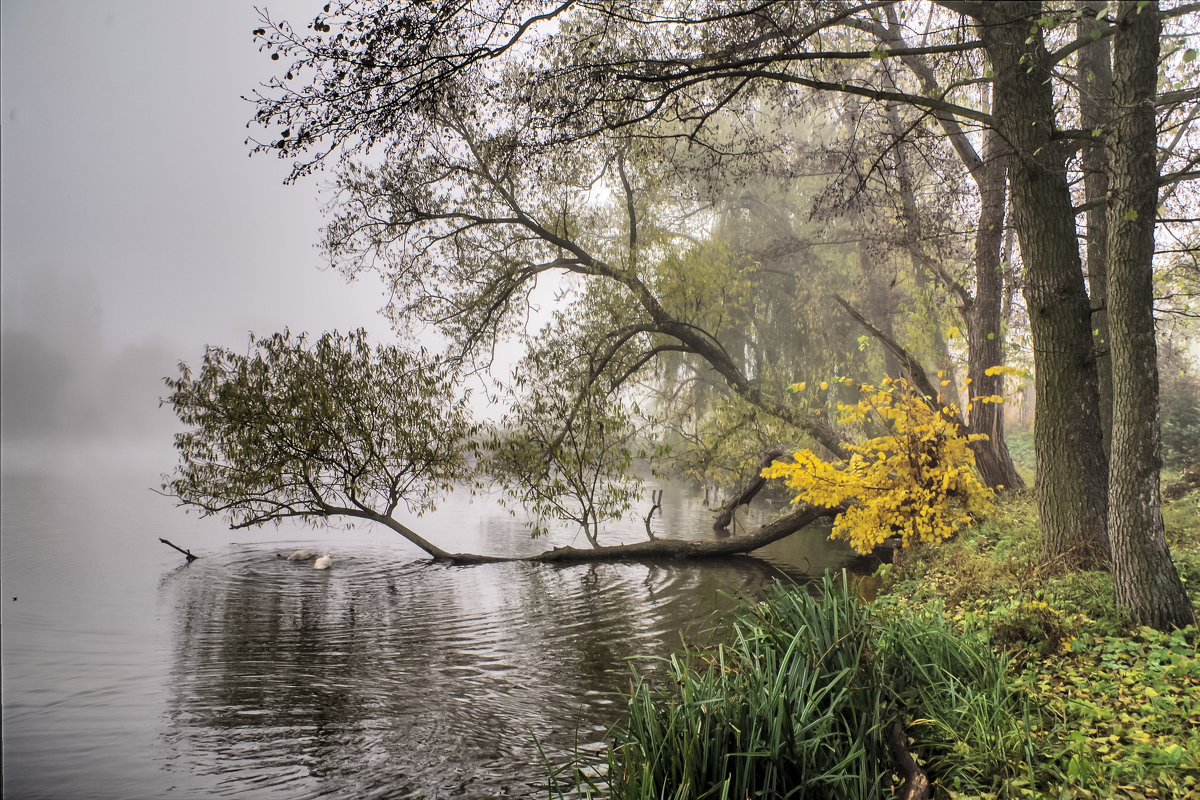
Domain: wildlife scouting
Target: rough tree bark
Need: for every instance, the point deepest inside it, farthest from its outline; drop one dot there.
(1143, 573)
(1071, 481)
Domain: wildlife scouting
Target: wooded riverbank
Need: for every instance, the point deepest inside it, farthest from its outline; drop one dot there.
(1007, 676)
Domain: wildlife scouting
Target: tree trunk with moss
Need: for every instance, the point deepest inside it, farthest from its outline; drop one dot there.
(1144, 575)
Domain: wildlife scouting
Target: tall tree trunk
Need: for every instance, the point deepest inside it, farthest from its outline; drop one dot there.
(925, 269)
(982, 312)
(1095, 90)
(985, 338)
(1071, 469)
(1144, 575)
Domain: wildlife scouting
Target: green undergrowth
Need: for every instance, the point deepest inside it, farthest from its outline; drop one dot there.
(1010, 677)
(799, 701)
(1117, 707)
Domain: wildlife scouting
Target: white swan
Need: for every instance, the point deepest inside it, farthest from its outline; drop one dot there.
(303, 555)
(323, 562)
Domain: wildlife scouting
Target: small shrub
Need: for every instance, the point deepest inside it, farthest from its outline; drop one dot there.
(1033, 625)
(915, 482)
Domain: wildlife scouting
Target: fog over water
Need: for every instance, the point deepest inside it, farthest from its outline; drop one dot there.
(135, 229)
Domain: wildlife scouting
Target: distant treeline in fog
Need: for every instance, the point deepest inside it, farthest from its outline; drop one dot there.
(54, 391)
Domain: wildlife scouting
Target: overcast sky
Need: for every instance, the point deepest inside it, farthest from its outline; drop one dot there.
(127, 191)
(133, 219)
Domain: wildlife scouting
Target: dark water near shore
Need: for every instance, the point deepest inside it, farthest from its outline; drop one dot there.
(128, 674)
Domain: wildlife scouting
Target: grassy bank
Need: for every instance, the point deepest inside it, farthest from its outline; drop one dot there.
(1007, 676)
(1117, 706)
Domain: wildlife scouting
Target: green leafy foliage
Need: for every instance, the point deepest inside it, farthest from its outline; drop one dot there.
(566, 449)
(1121, 714)
(722, 445)
(567, 458)
(708, 285)
(1112, 708)
(312, 429)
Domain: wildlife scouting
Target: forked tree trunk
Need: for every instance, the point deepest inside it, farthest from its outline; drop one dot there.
(985, 338)
(1071, 481)
(1144, 575)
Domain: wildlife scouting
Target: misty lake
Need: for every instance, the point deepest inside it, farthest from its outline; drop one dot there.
(130, 674)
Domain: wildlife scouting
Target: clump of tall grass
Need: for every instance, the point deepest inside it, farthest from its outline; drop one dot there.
(799, 700)
(967, 721)
(788, 707)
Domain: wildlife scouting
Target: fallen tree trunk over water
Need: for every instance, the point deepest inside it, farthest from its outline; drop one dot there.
(659, 549)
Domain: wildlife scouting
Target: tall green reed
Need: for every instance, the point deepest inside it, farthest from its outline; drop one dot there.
(796, 704)
(788, 708)
(967, 720)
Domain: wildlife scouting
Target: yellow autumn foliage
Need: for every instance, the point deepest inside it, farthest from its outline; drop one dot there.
(916, 482)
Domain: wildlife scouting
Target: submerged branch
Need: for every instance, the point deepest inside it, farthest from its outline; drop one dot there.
(190, 556)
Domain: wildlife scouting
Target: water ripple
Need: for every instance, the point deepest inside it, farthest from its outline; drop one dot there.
(245, 675)
(379, 676)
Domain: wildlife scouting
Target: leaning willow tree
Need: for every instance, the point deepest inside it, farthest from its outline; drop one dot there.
(334, 429)
(532, 138)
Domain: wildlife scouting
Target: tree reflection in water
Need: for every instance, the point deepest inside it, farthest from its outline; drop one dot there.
(381, 678)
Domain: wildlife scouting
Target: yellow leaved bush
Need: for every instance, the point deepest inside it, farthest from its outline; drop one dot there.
(916, 481)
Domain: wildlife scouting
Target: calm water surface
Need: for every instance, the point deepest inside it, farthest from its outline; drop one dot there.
(128, 674)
